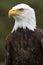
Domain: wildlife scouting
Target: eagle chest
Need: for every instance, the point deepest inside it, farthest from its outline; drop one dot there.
(23, 45)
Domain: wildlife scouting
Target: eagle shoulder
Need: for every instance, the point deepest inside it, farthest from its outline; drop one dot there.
(39, 33)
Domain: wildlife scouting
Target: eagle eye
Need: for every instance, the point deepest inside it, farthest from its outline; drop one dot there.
(21, 9)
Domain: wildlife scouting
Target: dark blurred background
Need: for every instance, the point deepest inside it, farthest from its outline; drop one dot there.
(6, 25)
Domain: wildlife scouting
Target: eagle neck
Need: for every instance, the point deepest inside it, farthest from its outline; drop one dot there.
(23, 24)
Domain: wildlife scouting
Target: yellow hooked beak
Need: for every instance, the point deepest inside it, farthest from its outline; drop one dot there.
(13, 12)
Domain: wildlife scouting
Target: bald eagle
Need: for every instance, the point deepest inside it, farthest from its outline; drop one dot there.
(24, 45)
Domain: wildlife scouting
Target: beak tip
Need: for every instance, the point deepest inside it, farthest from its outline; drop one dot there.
(9, 15)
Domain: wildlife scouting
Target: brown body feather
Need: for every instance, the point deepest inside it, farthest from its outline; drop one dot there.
(25, 47)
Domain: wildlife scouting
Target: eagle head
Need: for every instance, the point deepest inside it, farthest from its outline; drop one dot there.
(24, 16)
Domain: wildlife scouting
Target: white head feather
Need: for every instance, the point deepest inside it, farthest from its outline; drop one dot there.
(25, 19)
